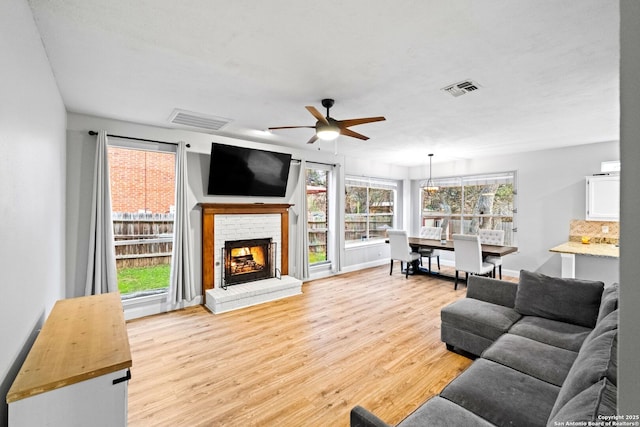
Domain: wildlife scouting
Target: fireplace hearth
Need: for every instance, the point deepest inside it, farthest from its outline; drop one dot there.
(248, 261)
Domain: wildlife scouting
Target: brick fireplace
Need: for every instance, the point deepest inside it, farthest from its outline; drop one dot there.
(235, 223)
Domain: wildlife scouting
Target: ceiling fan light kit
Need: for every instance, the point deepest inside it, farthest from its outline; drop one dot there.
(327, 132)
(328, 128)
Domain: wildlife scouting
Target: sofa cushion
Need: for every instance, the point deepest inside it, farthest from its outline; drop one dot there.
(591, 365)
(501, 395)
(543, 361)
(607, 324)
(479, 317)
(552, 332)
(463, 340)
(440, 412)
(496, 291)
(557, 298)
(589, 405)
(609, 301)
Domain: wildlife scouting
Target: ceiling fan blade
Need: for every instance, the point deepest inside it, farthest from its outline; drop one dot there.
(349, 132)
(313, 139)
(353, 122)
(315, 113)
(292, 127)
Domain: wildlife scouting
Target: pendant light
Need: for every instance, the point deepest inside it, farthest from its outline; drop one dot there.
(431, 187)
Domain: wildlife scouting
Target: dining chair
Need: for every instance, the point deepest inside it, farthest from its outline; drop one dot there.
(468, 257)
(434, 233)
(492, 237)
(400, 250)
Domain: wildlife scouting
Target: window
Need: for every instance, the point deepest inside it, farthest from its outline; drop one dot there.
(142, 198)
(369, 209)
(468, 203)
(319, 221)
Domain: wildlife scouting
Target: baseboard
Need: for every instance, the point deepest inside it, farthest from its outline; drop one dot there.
(364, 265)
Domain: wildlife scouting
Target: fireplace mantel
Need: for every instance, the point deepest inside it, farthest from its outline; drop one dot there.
(210, 210)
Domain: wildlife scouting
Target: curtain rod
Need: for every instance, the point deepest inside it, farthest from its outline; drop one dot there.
(93, 133)
(311, 161)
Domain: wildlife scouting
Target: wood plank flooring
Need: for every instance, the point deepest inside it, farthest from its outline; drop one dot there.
(364, 338)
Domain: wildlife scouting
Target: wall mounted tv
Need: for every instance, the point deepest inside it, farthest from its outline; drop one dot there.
(239, 171)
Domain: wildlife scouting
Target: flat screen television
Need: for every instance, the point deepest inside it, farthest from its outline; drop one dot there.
(239, 171)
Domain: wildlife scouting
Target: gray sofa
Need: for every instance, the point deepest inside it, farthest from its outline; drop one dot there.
(547, 352)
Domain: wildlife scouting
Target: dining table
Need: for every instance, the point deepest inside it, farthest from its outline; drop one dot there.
(447, 245)
(418, 243)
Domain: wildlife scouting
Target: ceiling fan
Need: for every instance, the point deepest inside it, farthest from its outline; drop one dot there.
(328, 128)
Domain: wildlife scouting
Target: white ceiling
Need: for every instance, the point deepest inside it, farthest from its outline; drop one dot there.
(548, 69)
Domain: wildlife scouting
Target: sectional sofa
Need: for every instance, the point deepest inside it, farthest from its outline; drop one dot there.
(546, 352)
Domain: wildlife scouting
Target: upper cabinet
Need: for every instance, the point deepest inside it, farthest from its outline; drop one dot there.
(603, 198)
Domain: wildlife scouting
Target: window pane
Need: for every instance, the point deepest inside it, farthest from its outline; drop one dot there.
(369, 208)
(317, 215)
(381, 209)
(467, 204)
(356, 213)
(142, 197)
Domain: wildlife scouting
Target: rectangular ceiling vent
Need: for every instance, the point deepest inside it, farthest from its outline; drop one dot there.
(197, 120)
(460, 88)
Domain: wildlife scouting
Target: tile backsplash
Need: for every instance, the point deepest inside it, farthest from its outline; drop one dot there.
(594, 230)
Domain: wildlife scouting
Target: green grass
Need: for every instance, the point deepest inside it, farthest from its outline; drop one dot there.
(315, 257)
(140, 279)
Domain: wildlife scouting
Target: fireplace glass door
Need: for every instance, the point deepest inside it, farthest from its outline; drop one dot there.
(248, 261)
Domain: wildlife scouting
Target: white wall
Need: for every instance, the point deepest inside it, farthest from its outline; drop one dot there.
(551, 192)
(32, 165)
(81, 149)
(629, 338)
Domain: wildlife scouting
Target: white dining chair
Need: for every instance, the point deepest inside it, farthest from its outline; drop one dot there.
(468, 257)
(434, 233)
(492, 237)
(401, 251)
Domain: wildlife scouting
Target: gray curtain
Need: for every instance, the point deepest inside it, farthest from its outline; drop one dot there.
(181, 284)
(337, 203)
(101, 265)
(301, 249)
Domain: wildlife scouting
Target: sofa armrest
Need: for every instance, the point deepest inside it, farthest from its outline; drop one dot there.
(360, 417)
(494, 291)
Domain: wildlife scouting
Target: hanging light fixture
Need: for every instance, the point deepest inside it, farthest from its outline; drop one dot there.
(431, 187)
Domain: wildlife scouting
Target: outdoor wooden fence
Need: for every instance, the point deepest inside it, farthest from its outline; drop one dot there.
(142, 239)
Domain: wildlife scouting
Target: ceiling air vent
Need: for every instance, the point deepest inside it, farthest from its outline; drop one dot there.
(197, 120)
(460, 88)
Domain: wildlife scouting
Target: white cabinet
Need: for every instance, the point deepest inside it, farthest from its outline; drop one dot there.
(603, 198)
(77, 371)
(100, 401)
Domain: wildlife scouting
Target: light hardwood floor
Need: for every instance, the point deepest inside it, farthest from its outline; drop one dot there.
(364, 338)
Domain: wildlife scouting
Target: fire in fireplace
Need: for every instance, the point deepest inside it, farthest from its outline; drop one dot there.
(248, 260)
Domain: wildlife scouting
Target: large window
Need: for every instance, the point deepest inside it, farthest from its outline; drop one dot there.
(468, 203)
(142, 196)
(369, 208)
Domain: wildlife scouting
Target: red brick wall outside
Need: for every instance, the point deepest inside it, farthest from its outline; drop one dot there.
(141, 180)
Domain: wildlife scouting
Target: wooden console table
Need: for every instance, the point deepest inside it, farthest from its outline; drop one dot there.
(77, 371)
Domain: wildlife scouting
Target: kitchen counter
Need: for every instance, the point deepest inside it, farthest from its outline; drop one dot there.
(591, 249)
(569, 250)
